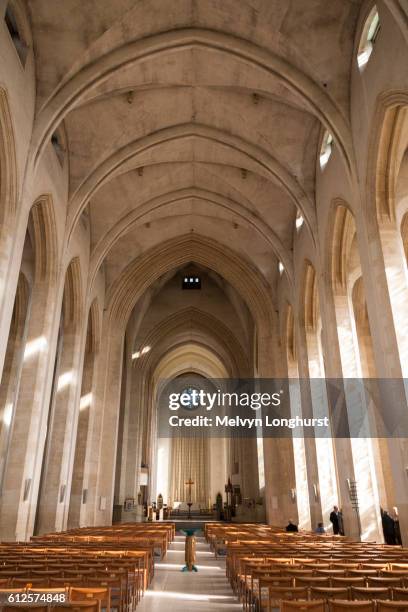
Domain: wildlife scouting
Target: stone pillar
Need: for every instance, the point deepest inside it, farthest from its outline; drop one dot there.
(78, 497)
(316, 514)
(278, 452)
(299, 453)
(11, 248)
(55, 490)
(23, 468)
(354, 457)
(105, 430)
(133, 433)
(12, 367)
(91, 460)
(388, 346)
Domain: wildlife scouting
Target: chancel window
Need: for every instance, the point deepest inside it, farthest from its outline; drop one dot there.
(190, 398)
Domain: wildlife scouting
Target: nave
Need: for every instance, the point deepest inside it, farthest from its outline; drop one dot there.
(208, 590)
(254, 568)
(214, 190)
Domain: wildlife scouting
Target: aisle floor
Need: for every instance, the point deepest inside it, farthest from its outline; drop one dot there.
(205, 591)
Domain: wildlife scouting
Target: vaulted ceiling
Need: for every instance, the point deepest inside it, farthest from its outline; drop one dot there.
(193, 116)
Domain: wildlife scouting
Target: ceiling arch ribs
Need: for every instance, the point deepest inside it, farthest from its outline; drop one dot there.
(185, 360)
(159, 204)
(71, 91)
(186, 322)
(144, 271)
(110, 168)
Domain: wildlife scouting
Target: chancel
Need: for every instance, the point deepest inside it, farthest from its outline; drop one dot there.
(198, 196)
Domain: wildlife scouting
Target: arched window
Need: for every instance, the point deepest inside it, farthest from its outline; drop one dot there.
(192, 394)
(15, 30)
(368, 37)
(299, 221)
(326, 149)
(58, 141)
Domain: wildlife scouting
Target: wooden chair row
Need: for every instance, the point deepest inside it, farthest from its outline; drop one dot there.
(343, 606)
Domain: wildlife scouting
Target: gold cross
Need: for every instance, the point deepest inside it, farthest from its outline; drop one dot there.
(189, 483)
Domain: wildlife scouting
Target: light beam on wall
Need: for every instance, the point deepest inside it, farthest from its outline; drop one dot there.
(7, 414)
(65, 379)
(35, 346)
(85, 401)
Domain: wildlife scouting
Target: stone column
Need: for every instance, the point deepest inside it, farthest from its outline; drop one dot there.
(135, 415)
(388, 347)
(278, 452)
(299, 454)
(54, 499)
(11, 248)
(104, 436)
(23, 468)
(316, 514)
(354, 457)
(78, 496)
(12, 367)
(90, 460)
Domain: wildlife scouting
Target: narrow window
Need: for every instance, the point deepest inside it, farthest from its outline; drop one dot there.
(299, 221)
(368, 37)
(15, 34)
(326, 149)
(58, 146)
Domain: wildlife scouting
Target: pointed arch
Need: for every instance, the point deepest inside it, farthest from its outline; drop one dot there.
(72, 89)
(114, 165)
(142, 272)
(310, 298)
(137, 216)
(72, 302)
(45, 239)
(290, 334)
(8, 165)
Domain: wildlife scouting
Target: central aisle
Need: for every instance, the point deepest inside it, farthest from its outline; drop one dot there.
(173, 590)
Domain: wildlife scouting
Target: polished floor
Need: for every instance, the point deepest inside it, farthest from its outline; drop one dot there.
(175, 591)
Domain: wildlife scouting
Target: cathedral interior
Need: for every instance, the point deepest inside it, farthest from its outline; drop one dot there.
(206, 188)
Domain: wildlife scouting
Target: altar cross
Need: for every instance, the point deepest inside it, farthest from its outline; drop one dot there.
(189, 483)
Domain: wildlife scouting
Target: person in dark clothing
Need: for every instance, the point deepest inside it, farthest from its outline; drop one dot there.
(336, 519)
(388, 525)
(291, 526)
(398, 539)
